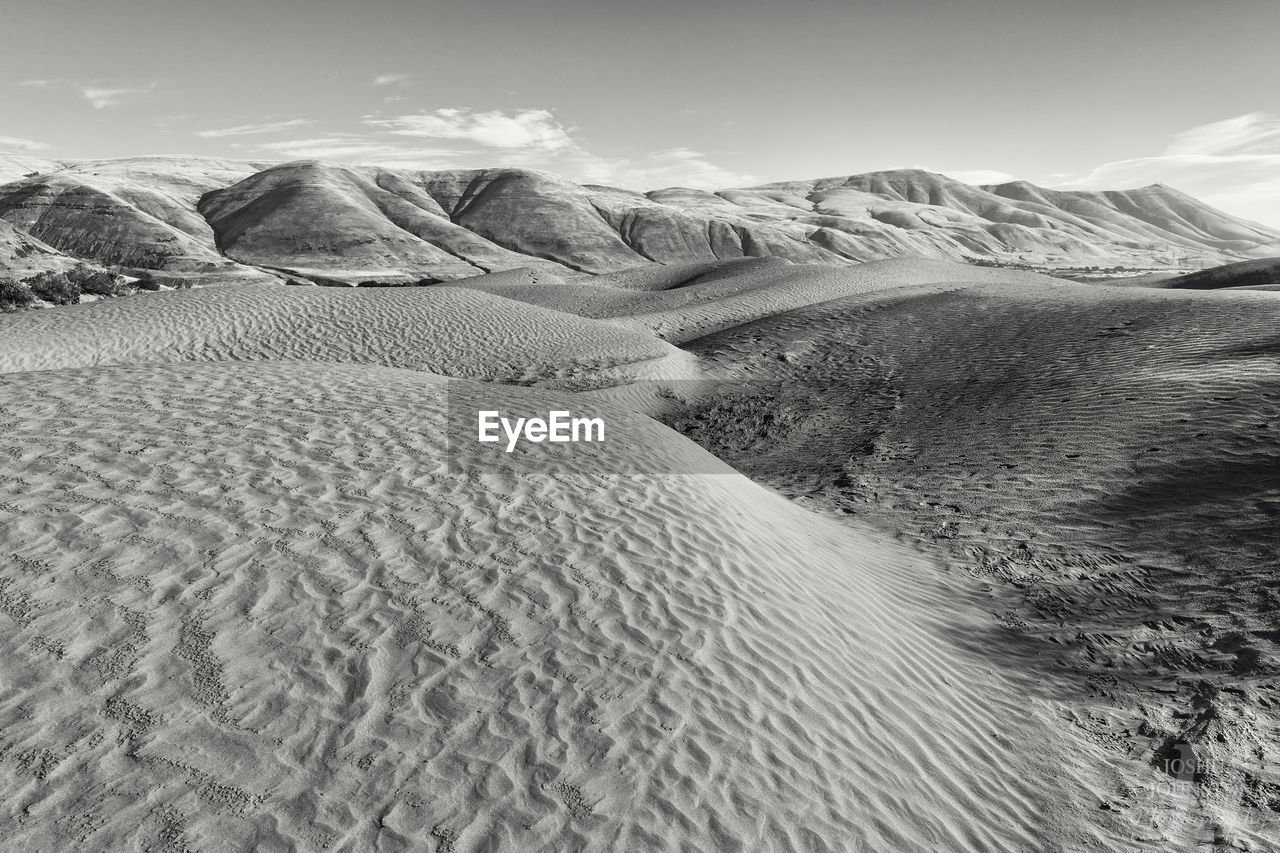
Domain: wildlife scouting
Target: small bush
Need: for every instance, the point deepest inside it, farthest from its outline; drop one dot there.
(97, 282)
(55, 287)
(14, 295)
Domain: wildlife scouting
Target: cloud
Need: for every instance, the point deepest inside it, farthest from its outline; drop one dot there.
(360, 150)
(671, 167)
(35, 84)
(391, 80)
(250, 129)
(1233, 164)
(536, 139)
(17, 143)
(103, 97)
(525, 138)
(1252, 133)
(530, 130)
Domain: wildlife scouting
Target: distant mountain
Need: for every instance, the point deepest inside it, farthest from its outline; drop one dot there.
(195, 221)
(329, 222)
(136, 216)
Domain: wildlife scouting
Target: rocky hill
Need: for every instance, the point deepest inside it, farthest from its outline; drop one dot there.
(1260, 274)
(188, 221)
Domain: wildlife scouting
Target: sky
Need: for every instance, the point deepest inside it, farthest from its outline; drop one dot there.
(652, 93)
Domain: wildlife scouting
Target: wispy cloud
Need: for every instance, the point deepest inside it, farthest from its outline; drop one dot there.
(1252, 133)
(391, 79)
(103, 96)
(451, 138)
(1233, 164)
(531, 130)
(671, 167)
(251, 129)
(17, 143)
(35, 84)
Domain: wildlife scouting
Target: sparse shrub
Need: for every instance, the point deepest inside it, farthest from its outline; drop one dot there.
(14, 295)
(97, 282)
(55, 287)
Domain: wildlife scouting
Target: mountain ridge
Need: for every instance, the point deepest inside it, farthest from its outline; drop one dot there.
(189, 221)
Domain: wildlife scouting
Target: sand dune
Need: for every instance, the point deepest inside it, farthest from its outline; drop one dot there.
(1102, 458)
(256, 601)
(446, 330)
(681, 302)
(250, 609)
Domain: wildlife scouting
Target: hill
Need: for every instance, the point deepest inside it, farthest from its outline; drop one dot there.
(1260, 274)
(23, 256)
(333, 224)
(14, 167)
(336, 224)
(133, 223)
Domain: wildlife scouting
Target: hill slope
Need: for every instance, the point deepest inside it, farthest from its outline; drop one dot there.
(348, 225)
(23, 256)
(136, 225)
(1260, 274)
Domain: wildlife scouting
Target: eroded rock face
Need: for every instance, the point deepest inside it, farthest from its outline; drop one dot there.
(535, 214)
(23, 256)
(203, 220)
(131, 229)
(322, 218)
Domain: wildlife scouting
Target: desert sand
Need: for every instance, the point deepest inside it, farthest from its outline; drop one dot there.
(250, 610)
(905, 555)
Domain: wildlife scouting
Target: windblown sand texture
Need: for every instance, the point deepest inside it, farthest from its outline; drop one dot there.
(250, 604)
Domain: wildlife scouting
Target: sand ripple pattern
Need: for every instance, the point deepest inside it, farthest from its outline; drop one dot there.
(452, 331)
(246, 607)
